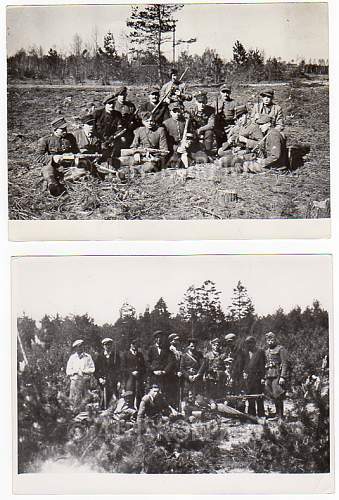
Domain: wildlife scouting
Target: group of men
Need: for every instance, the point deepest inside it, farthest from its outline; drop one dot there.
(172, 376)
(172, 129)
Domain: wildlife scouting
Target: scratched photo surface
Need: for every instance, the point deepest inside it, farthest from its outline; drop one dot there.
(214, 369)
(159, 112)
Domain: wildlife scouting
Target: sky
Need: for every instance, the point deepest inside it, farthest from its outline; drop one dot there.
(286, 30)
(100, 285)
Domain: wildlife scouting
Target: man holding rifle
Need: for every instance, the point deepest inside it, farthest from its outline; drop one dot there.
(174, 90)
(159, 109)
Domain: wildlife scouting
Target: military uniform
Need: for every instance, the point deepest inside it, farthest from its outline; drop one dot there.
(203, 122)
(252, 133)
(272, 110)
(129, 119)
(275, 150)
(147, 138)
(106, 124)
(224, 118)
(192, 364)
(53, 145)
(174, 131)
(276, 366)
(87, 144)
(215, 376)
(160, 115)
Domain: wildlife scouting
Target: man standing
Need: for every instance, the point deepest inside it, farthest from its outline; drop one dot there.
(161, 363)
(255, 374)
(107, 372)
(161, 112)
(225, 114)
(174, 90)
(192, 367)
(175, 394)
(79, 368)
(129, 119)
(203, 121)
(266, 106)
(49, 151)
(134, 369)
(276, 372)
(215, 376)
(235, 358)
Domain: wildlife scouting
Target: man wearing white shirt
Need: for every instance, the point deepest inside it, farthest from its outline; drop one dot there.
(79, 368)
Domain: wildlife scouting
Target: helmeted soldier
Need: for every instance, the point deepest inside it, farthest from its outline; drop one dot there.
(276, 372)
(215, 374)
(266, 106)
(49, 151)
(129, 118)
(203, 121)
(108, 372)
(225, 114)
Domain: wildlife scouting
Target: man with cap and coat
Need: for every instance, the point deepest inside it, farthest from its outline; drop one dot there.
(49, 151)
(192, 367)
(108, 372)
(255, 374)
(235, 358)
(159, 113)
(203, 120)
(161, 363)
(134, 371)
(215, 375)
(273, 148)
(129, 118)
(80, 367)
(266, 106)
(225, 114)
(107, 124)
(276, 372)
(86, 137)
(174, 90)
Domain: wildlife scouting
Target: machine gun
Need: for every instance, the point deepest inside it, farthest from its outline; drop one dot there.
(77, 156)
(144, 151)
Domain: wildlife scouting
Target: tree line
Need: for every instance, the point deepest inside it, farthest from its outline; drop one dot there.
(303, 332)
(142, 60)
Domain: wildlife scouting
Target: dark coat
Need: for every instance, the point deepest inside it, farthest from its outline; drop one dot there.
(108, 368)
(164, 361)
(87, 144)
(106, 124)
(275, 149)
(53, 145)
(192, 364)
(160, 115)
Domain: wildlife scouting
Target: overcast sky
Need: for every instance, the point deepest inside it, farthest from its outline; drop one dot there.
(99, 285)
(286, 30)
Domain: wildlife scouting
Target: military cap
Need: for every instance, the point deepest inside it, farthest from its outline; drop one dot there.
(110, 99)
(146, 115)
(270, 335)
(262, 119)
(175, 105)
(59, 123)
(230, 336)
(78, 342)
(215, 341)
(173, 72)
(250, 338)
(173, 336)
(87, 120)
(120, 91)
(240, 110)
(267, 92)
(155, 90)
(158, 333)
(200, 96)
(106, 340)
(226, 87)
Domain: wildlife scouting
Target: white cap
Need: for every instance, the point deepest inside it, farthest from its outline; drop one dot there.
(78, 342)
(106, 340)
(230, 336)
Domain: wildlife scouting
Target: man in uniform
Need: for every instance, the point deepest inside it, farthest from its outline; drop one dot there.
(245, 134)
(161, 363)
(153, 137)
(86, 138)
(174, 90)
(49, 151)
(235, 357)
(255, 374)
(266, 106)
(129, 118)
(107, 123)
(134, 371)
(80, 367)
(203, 121)
(273, 148)
(276, 372)
(225, 114)
(161, 112)
(192, 367)
(215, 376)
(107, 372)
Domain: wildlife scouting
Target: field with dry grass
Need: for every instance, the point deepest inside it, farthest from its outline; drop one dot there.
(197, 194)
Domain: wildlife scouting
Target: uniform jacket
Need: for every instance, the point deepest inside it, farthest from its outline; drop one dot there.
(192, 364)
(275, 149)
(164, 361)
(225, 114)
(128, 117)
(106, 124)
(274, 111)
(161, 114)
(205, 120)
(174, 131)
(108, 368)
(52, 145)
(146, 138)
(87, 144)
(276, 362)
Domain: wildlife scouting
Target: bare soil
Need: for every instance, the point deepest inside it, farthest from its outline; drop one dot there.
(160, 196)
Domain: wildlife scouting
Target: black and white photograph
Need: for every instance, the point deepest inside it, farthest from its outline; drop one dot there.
(173, 365)
(209, 113)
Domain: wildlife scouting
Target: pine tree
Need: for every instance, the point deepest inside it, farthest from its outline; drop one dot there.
(241, 306)
(239, 54)
(149, 25)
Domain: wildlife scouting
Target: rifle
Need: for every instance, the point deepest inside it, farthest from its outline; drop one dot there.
(245, 396)
(133, 151)
(167, 93)
(119, 133)
(182, 148)
(79, 156)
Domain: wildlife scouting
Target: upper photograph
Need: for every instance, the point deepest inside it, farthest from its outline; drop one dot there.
(168, 121)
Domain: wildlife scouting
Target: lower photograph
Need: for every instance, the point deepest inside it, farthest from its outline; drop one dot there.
(212, 366)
